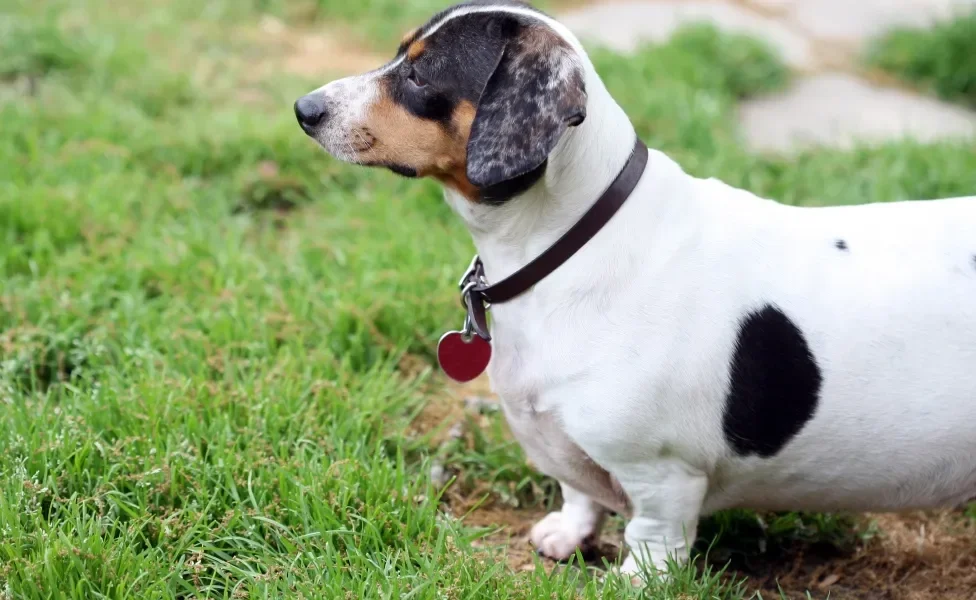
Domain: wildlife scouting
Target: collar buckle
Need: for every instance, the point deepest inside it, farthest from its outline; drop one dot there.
(473, 300)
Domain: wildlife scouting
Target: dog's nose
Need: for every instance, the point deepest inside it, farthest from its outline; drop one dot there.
(310, 111)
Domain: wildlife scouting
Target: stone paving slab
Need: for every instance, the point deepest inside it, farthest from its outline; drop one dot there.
(859, 20)
(836, 109)
(830, 109)
(623, 26)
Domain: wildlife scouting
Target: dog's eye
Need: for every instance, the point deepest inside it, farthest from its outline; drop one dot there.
(416, 79)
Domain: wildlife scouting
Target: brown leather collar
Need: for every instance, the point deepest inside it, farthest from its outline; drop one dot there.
(477, 295)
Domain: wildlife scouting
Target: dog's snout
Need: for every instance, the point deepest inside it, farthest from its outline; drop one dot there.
(310, 110)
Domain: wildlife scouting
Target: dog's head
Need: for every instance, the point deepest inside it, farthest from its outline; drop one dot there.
(477, 98)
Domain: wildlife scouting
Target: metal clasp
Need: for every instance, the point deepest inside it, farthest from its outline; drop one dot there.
(473, 278)
(471, 273)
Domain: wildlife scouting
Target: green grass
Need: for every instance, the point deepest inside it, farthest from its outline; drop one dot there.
(941, 58)
(383, 34)
(202, 316)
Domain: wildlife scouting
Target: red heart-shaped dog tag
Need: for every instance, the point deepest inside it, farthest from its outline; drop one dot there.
(463, 359)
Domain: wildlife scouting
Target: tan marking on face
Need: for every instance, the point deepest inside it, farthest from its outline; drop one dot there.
(410, 36)
(432, 149)
(416, 49)
(454, 173)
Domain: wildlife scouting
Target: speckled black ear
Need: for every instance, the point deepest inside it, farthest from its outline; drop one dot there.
(536, 92)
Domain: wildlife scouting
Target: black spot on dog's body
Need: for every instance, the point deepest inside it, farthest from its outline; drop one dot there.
(774, 384)
(974, 261)
(841, 245)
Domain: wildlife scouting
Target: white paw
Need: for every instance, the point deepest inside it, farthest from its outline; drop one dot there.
(631, 568)
(557, 536)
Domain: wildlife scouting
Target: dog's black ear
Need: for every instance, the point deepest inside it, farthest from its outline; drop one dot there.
(536, 92)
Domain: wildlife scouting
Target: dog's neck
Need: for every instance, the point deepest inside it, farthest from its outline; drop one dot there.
(584, 163)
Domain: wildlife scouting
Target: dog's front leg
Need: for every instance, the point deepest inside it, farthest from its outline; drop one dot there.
(667, 497)
(576, 525)
(588, 490)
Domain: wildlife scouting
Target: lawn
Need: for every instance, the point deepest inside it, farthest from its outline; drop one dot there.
(216, 375)
(939, 58)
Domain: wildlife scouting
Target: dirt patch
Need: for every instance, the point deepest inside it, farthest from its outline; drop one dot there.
(318, 53)
(508, 538)
(448, 404)
(924, 556)
(268, 190)
(314, 55)
(256, 56)
(914, 557)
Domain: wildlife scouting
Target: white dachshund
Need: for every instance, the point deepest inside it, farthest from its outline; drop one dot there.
(707, 348)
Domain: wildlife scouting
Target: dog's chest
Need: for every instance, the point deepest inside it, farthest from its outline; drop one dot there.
(535, 405)
(517, 369)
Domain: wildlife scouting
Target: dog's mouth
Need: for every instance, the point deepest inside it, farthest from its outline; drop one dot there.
(357, 147)
(352, 146)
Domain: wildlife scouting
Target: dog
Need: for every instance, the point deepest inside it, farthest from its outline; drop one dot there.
(707, 349)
